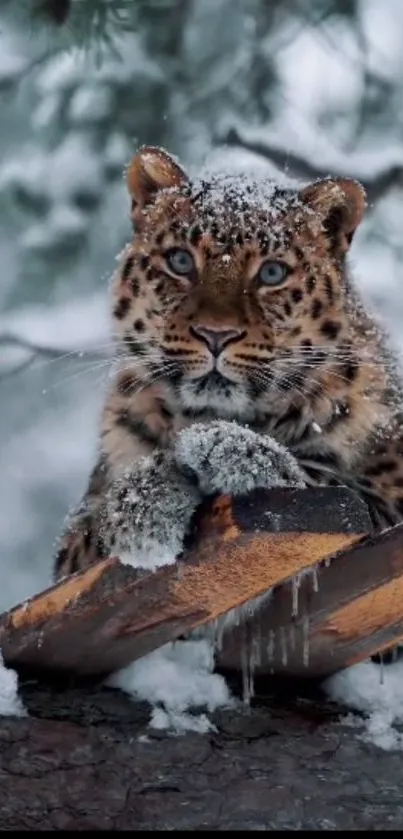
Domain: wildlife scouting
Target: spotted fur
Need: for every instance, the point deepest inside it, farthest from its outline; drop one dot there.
(302, 364)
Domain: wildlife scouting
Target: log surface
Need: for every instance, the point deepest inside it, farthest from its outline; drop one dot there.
(99, 620)
(86, 759)
(320, 618)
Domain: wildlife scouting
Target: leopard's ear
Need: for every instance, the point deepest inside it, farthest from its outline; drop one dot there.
(339, 203)
(151, 170)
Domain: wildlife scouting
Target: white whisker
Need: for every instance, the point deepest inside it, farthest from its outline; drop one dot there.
(99, 365)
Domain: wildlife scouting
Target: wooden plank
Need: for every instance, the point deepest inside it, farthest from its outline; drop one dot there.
(99, 620)
(346, 612)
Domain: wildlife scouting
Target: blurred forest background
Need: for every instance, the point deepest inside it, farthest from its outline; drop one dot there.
(311, 87)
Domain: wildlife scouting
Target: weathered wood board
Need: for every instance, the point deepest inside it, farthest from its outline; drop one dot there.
(99, 620)
(343, 613)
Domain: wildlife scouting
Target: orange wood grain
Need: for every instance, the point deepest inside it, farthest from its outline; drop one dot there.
(103, 618)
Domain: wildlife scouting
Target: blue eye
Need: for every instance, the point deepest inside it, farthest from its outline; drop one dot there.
(273, 273)
(180, 261)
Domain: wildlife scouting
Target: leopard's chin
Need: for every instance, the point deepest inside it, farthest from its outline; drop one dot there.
(220, 397)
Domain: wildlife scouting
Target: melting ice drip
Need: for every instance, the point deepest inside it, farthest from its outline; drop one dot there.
(180, 676)
(279, 641)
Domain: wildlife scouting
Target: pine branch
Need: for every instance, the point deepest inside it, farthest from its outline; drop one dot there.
(376, 185)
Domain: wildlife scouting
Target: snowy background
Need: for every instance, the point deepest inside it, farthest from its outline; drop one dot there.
(317, 86)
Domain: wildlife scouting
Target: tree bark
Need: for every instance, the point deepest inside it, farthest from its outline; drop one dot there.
(85, 758)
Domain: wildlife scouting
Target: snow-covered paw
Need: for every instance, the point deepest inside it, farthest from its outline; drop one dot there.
(147, 513)
(229, 458)
(150, 555)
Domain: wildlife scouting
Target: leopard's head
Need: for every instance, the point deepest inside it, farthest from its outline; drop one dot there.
(235, 290)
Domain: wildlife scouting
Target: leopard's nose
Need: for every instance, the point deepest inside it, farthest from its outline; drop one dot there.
(216, 339)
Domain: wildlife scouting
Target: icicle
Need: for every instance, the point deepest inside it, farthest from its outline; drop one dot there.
(218, 634)
(251, 685)
(257, 647)
(245, 672)
(315, 581)
(270, 644)
(248, 671)
(305, 640)
(328, 561)
(283, 645)
(292, 637)
(254, 661)
(295, 583)
(381, 670)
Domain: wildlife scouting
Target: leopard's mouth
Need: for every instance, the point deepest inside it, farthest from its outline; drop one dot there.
(213, 381)
(217, 395)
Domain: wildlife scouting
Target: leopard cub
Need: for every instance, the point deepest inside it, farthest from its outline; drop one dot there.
(244, 358)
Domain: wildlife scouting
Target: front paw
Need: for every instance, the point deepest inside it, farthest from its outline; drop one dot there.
(147, 513)
(231, 459)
